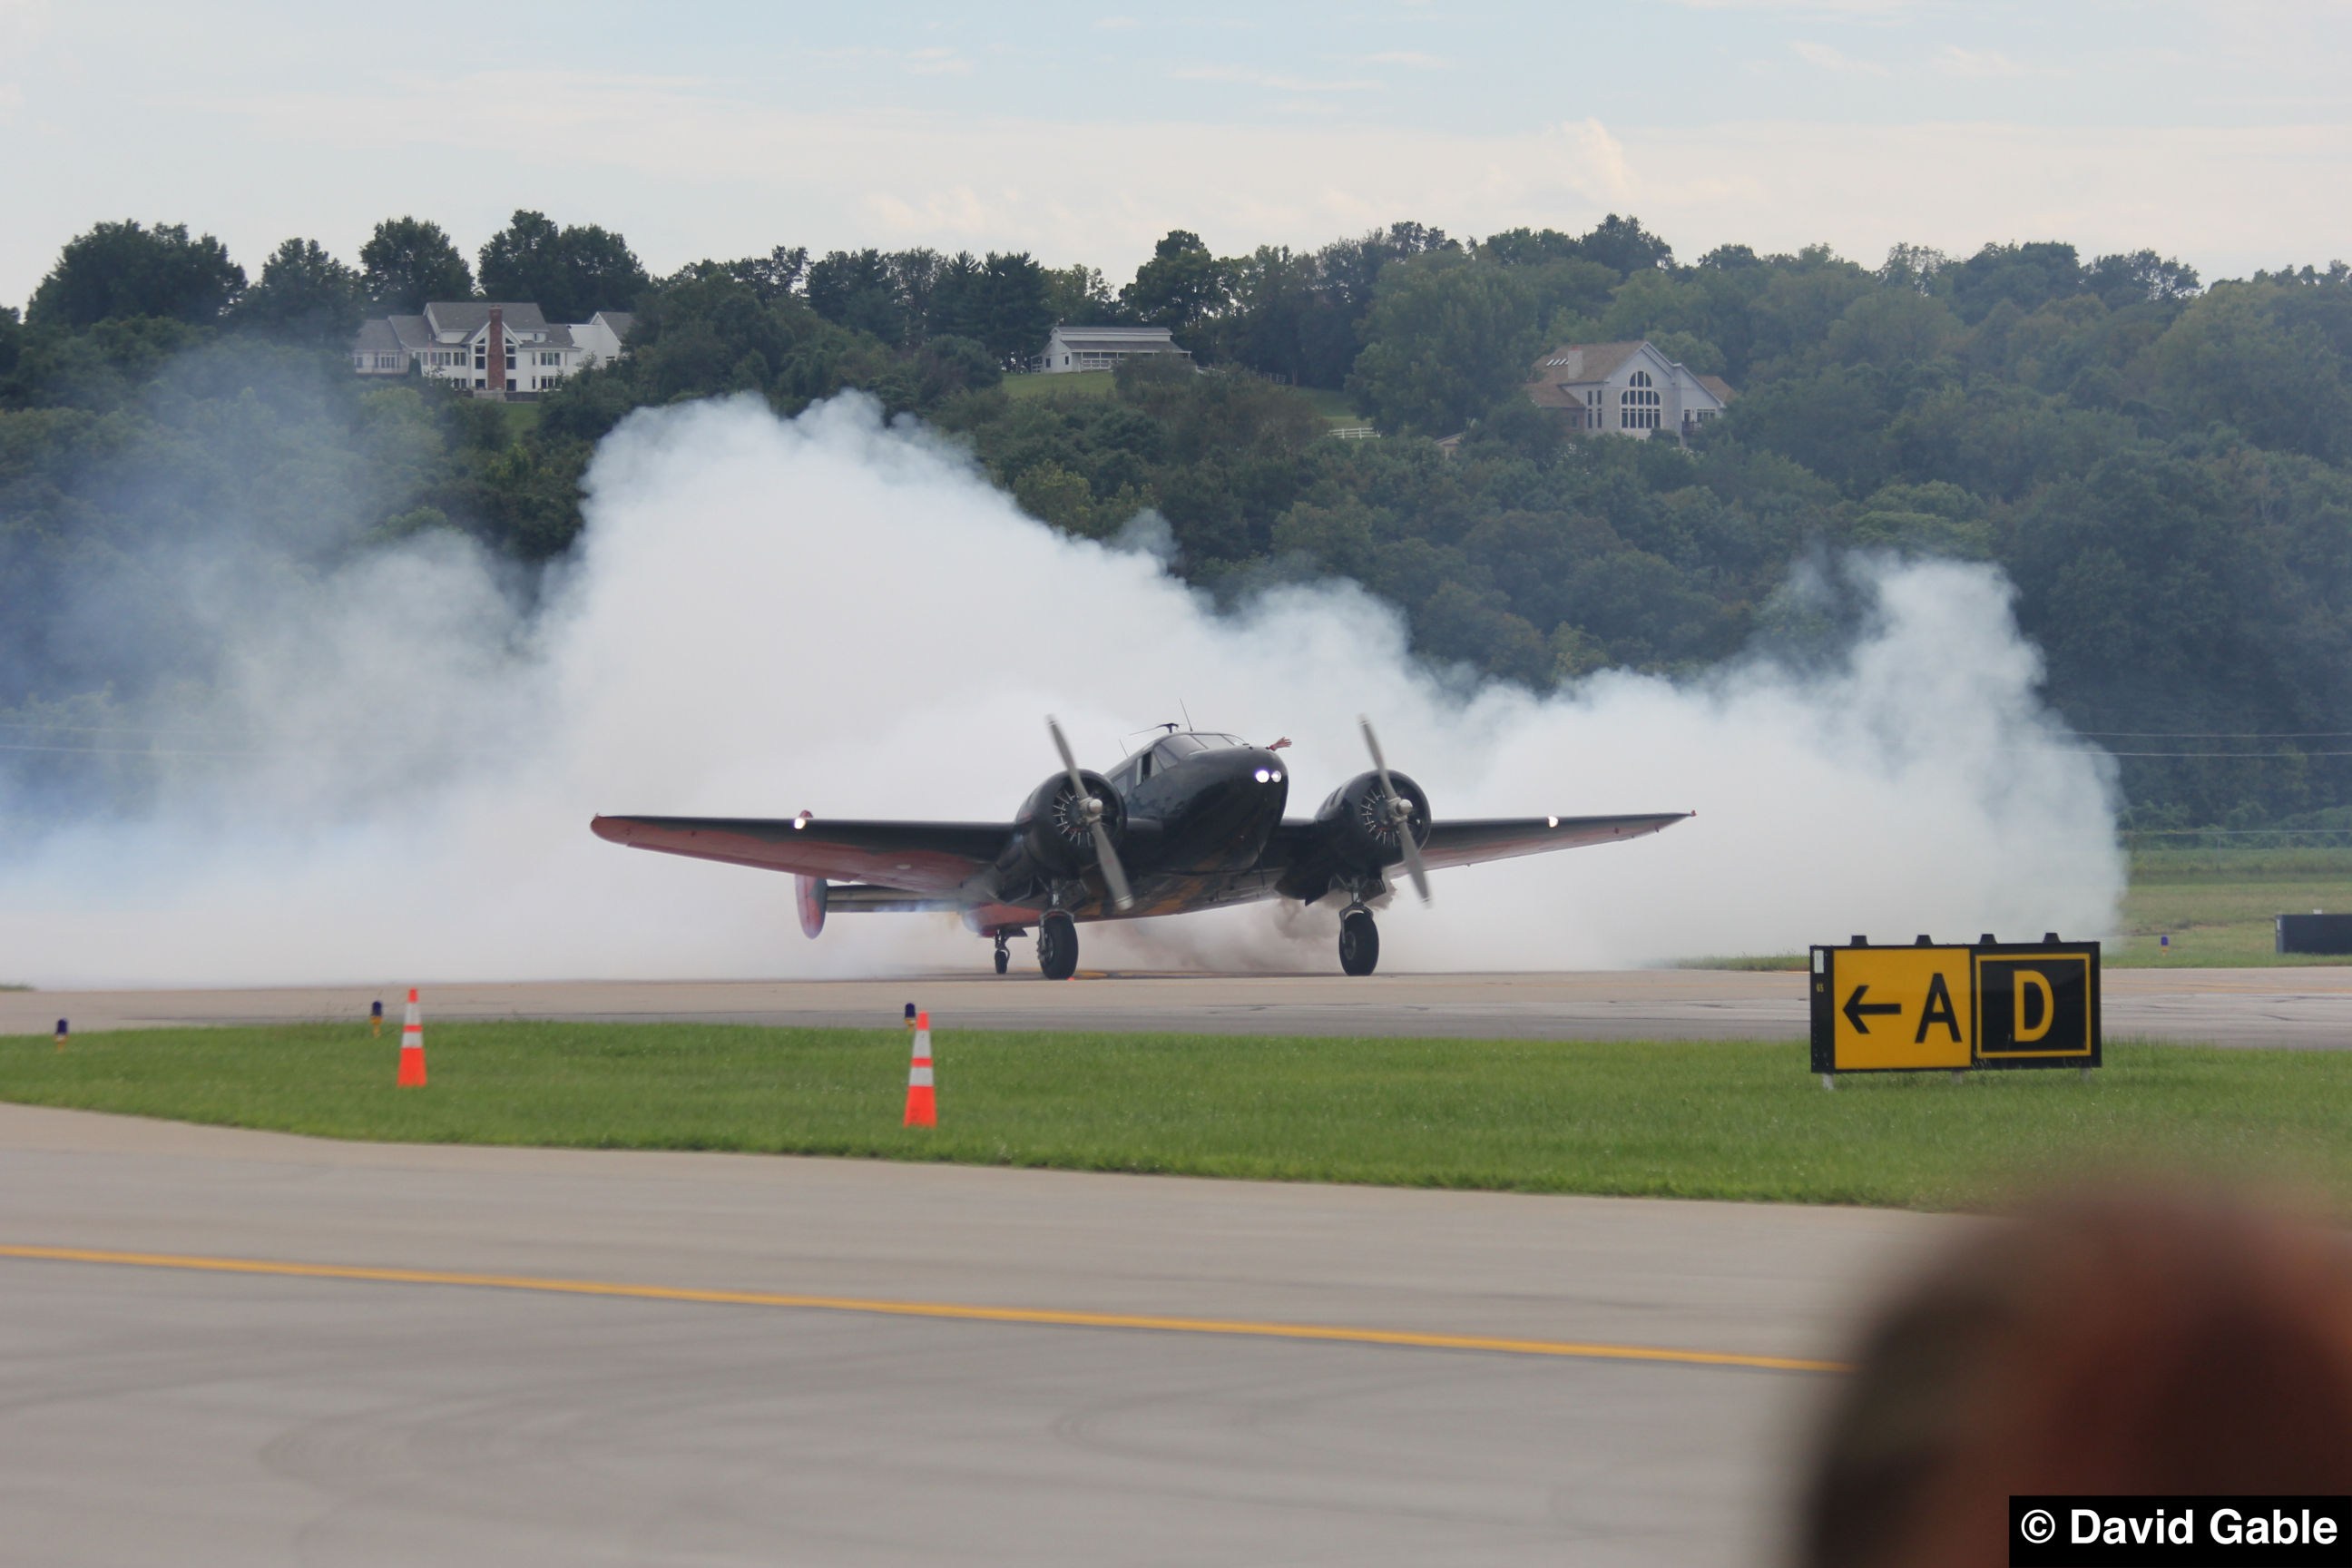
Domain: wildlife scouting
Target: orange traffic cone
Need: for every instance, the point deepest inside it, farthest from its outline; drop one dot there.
(412, 1046)
(922, 1110)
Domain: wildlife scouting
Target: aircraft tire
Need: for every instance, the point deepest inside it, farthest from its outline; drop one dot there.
(1360, 942)
(1004, 960)
(1058, 946)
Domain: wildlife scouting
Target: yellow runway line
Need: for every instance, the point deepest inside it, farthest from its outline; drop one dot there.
(949, 1310)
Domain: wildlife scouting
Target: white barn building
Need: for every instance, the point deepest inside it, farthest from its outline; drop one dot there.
(1626, 389)
(501, 348)
(1073, 349)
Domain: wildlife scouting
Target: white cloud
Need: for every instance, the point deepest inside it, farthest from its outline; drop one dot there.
(1830, 59)
(1117, 23)
(1954, 60)
(1247, 78)
(1859, 9)
(1407, 57)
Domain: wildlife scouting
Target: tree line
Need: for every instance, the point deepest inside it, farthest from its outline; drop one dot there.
(2163, 468)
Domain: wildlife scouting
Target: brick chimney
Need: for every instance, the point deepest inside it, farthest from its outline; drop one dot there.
(497, 349)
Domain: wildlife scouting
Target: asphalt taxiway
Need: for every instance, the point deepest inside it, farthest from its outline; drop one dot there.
(582, 1357)
(2303, 1008)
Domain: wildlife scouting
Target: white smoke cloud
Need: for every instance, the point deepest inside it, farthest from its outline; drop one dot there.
(832, 615)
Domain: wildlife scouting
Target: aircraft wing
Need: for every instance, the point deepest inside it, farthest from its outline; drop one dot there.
(1466, 843)
(916, 857)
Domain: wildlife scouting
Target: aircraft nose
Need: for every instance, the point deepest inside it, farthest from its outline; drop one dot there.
(1258, 767)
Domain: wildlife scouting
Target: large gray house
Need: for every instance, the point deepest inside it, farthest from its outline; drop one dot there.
(498, 348)
(1626, 389)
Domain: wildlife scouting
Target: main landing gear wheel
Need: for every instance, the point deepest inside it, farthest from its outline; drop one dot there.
(1004, 958)
(1360, 942)
(1058, 946)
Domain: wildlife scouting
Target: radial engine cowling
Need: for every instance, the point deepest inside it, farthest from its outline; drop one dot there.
(1358, 825)
(1053, 823)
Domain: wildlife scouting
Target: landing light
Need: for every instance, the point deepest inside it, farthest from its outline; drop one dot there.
(1277, 776)
(1551, 822)
(1262, 775)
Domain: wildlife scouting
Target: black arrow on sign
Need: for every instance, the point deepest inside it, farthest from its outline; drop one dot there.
(1854, 1009)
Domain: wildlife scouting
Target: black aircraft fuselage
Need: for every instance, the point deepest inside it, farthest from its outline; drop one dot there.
(1193, 821)
(1192, 815)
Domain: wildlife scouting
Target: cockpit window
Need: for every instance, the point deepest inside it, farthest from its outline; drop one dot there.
(1176, 748)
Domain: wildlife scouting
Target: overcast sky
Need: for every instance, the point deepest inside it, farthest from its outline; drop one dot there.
(2221, 133)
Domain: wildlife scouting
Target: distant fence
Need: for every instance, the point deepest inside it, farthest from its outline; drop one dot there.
(1355, 433)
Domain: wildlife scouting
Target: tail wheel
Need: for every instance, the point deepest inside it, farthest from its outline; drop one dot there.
(1360, 942)
(1058, 946)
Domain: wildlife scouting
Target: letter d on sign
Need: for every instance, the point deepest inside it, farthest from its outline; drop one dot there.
(2035, 980)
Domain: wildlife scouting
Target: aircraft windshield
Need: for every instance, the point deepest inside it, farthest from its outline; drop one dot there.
(1176, 748)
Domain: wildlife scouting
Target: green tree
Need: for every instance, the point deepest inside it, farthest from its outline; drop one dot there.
(1180, 288)
(855, 289)
(407, 263)
(2022, 275)
(1016, 310)
(570, 273)
(1528, 248)
(1892, 326)
(304, 295)
(774, 275)
(2138, 278)
(2239, 356)
(1078, 297)
(1623, 243)
(119, 270)
(1446, 339)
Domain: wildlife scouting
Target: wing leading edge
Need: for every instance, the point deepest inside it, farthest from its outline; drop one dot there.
(1468, 842)
(913, 856)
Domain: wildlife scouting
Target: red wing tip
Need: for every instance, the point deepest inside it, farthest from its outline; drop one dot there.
(609, 827)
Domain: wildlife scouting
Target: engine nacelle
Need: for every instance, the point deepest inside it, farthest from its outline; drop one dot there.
(1053, 823)
(808, 892)
(1355, 822)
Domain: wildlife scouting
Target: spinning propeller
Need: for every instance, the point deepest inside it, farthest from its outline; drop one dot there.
(1092, 810)
(1400, 812)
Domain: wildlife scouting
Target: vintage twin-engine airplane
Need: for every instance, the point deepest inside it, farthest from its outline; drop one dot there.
(1192, 822)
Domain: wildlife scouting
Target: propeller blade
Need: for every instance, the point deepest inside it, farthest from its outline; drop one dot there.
(1114, 874)
(1401, 812)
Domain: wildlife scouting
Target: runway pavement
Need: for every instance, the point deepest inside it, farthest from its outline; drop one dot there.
(157, 1413)
(2305, 1008)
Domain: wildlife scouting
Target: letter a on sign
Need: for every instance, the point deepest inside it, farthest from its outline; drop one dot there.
(1936, 1012)
(1898, 1008)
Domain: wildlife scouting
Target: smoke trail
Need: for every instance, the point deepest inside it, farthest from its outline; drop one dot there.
(830, 613)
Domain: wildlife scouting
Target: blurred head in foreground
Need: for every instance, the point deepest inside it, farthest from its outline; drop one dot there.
(2122, 1344)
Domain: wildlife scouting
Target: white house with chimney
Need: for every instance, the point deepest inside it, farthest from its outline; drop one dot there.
(494, 348)
(1626, 389)
(1073, 349)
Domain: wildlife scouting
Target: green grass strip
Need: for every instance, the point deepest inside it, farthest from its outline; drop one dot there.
(1700, 1119)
